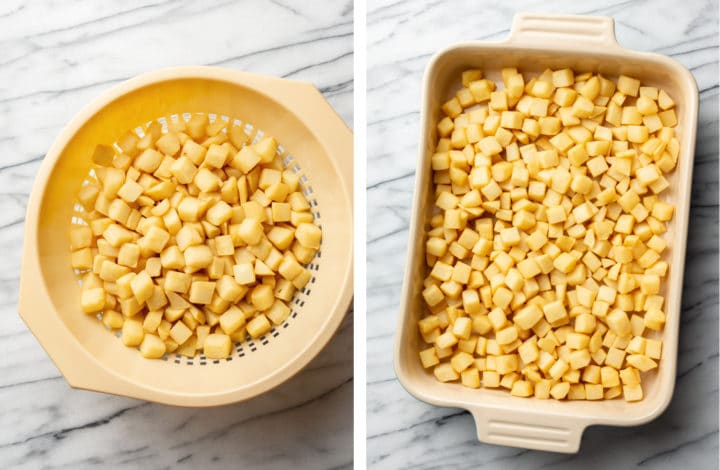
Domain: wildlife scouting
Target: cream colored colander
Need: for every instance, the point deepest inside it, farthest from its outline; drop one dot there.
(314, 142)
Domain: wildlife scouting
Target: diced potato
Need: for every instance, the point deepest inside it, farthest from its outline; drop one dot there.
(152, 347)
(258, 326)
(217, 346)
(132, 332)
(92, 300)
(547, 243)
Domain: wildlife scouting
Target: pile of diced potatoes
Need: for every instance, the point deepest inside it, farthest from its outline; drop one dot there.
(545, 250)
(195, 237)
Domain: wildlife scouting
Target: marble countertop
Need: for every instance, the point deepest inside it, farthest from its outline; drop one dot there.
(55, 57)
(406, 433)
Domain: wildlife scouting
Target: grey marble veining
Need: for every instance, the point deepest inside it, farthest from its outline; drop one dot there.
(56, 56)
(406, 433)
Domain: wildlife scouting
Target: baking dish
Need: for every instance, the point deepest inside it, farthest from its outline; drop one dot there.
(537, 42)
(314, 142)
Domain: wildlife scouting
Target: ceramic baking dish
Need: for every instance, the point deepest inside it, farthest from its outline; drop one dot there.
(537, 42)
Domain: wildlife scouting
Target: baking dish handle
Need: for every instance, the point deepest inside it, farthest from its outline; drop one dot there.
(537, 431)
(574, 31)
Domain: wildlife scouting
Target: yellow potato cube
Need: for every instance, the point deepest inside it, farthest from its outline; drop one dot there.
(244, 273)
(470, 378)
(554, 311)
(245, 160)
(180, 332)
(662, 211)
(152, 347)
(654, 319)
(250, 231)
(521, 388)
(564, 262)
(258, 326)
(278, 313)
(81, 259)
(177, 282)
(142, 287)
(148, 161)
(219, 213)
(232, 320)
(201, 292)
(262, 297)
(92, 300)
(132, 332)
(444, 372)
(183, 170)
(428, 357)
(632, 392)
(217, 346)
(155, 239)
(130, 191)
(112, 319)
(198, 257)
(128, 255)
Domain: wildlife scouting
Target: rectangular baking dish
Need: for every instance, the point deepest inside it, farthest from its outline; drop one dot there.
(537, 42)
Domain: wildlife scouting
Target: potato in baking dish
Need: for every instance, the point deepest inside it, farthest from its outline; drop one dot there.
(193, 237)
(545, 248)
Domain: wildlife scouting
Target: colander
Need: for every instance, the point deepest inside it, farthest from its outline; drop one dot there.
(314, 142)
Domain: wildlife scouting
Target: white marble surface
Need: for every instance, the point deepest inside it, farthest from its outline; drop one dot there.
(56, 56)
(406, 433)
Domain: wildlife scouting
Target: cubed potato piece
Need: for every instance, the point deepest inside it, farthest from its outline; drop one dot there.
(258, 326)
(184, 170)
(81, 259)
(148, 161)
(152, 347)
(228, 289)
(278, 313)
(308, 235)
(198, 257)
(201, 292)
(142, 287)
(128, 255)
(113, 319)
(245, 160)
(81, 236)
(250, 231)
(244, 273)
(232, 320)
(132, 332)
(522, 388)
(219, 213)
(217, 346)
(180, 332)
(92, 300)
(444, 372)
(560, 390)
(262, 297)
(177, 282)
(632, 392)
(156, 239)
(282, 237)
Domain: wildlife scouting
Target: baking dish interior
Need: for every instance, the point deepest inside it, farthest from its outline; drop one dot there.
(442, 80)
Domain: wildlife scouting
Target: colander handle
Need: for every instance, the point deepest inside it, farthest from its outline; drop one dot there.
(308, 103)
(574, 31)
(517, 428)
